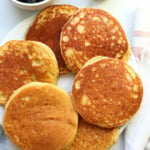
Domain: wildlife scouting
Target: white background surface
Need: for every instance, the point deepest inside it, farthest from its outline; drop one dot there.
(123, 10)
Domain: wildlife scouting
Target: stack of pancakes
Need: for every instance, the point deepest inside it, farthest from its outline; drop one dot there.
(76, 35)
(106, 91)
(22, 62)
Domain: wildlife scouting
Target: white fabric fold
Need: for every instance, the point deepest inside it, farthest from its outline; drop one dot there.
(137, 132)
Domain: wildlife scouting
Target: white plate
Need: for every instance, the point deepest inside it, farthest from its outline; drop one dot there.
(65, 81)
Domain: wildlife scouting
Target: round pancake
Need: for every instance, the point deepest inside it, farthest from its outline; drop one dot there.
(22, 62)
(91, 32)
(91, 137)
(47, 27)
(40, 116)
(107, 92)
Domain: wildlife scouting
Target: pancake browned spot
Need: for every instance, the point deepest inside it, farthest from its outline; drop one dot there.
(91, 137)
(40, 116)
(107, 92)
(47, 27)
(91, 32)
(22, 62)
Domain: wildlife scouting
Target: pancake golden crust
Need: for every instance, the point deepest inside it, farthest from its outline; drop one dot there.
(107, 92)
(22, 62)
(47, 27)
(40, 116)
(91, 137)
(91, 32)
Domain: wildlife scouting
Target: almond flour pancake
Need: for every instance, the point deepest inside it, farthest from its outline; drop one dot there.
(91, 32)
(47, 27)
(91, 137)
(40, 116)
(107, 92)
(22, 62)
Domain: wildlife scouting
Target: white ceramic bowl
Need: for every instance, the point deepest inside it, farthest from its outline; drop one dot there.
(32, 6)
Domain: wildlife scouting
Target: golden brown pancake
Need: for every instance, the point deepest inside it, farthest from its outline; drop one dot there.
(91, 137)
(40, 116)
(91, 32)
(47, 27)
(107, 92)
(22, 62)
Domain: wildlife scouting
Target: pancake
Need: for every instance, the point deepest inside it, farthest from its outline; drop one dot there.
(40, 116)
(91, 137)
(22, 62)
(107, 92)
(47, 27)
(91, 32)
